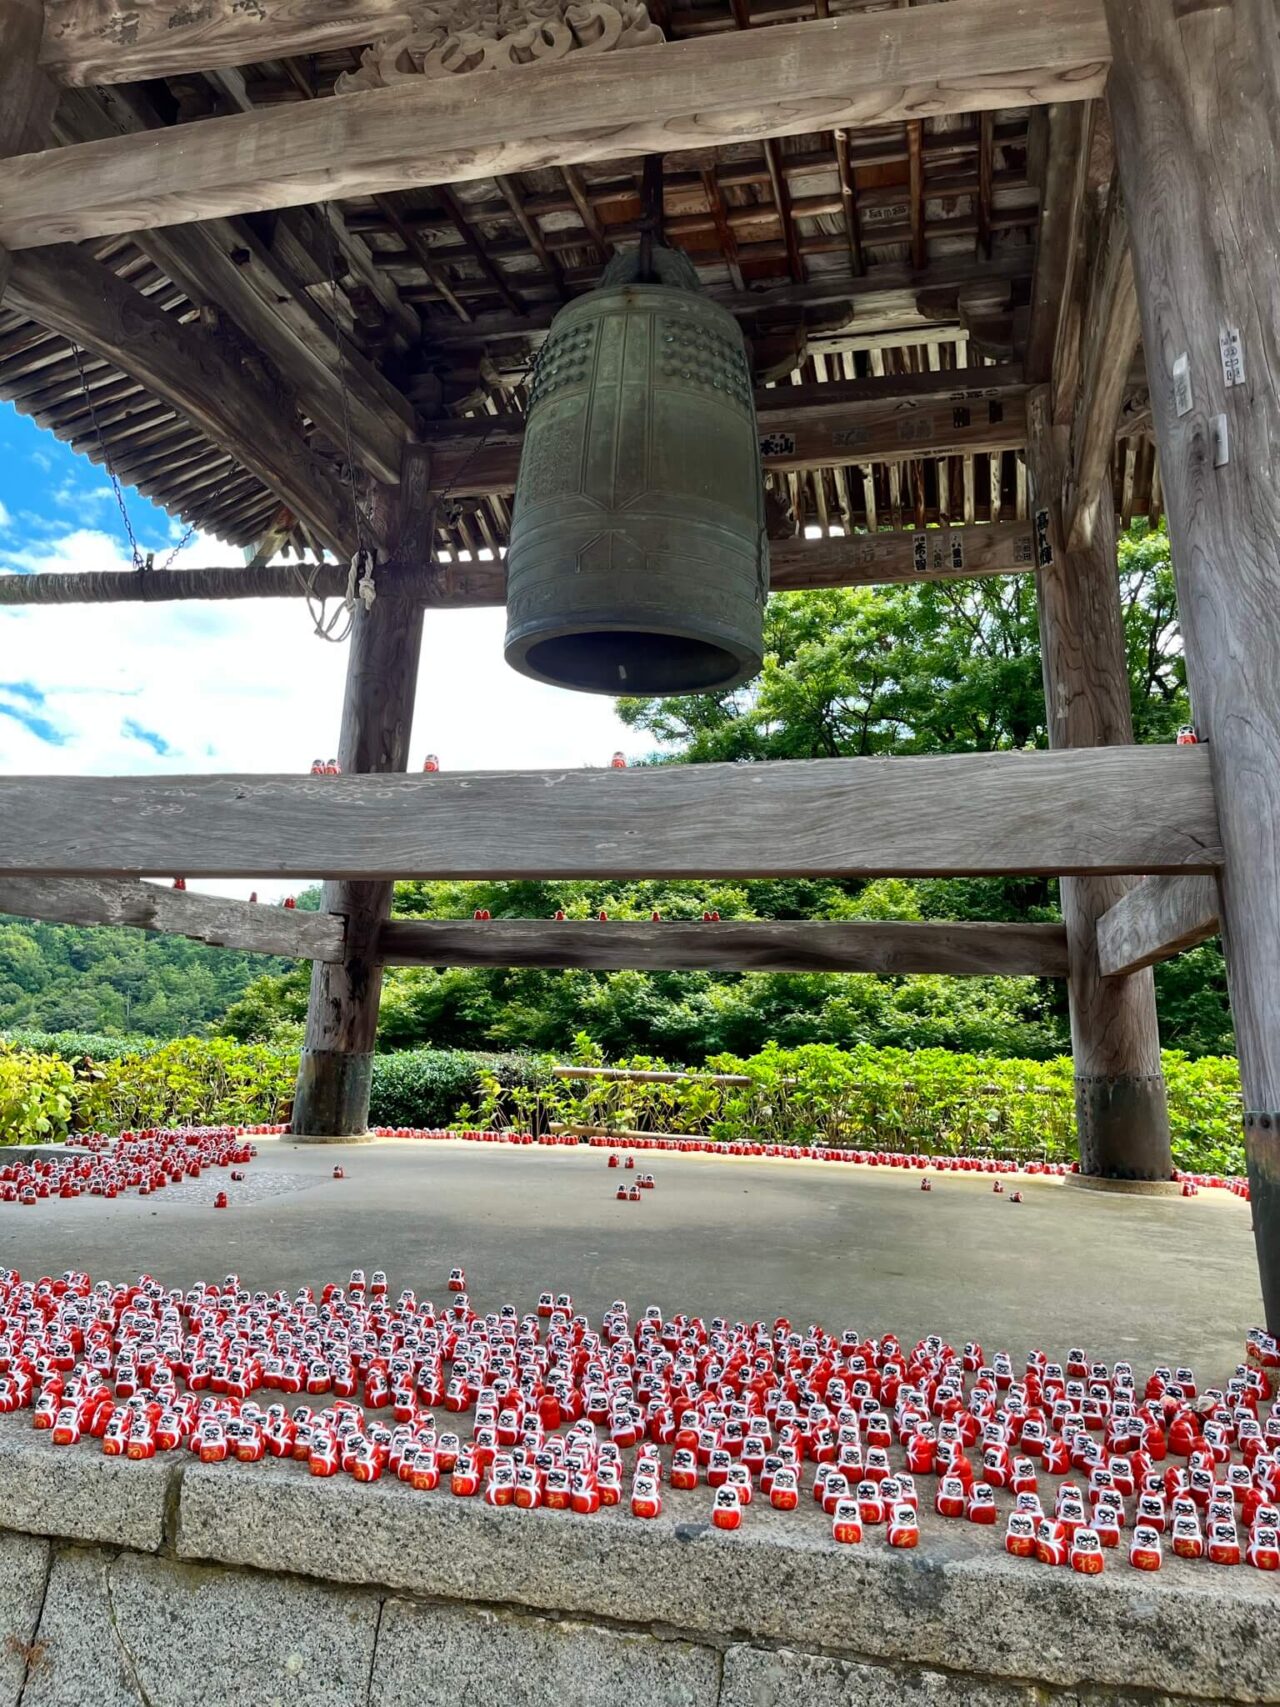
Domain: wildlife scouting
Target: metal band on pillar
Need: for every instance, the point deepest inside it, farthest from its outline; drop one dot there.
(1133, 1105)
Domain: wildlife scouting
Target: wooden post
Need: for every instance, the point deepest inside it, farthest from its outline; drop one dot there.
(334, 1074)
(1122, 1114)
(1195, 101)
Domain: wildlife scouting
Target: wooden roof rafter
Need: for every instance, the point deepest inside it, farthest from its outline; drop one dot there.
(930, 168)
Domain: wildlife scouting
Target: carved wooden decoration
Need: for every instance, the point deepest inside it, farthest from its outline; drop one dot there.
(484, 35)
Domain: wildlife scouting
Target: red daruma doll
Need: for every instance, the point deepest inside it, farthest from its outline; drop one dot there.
(1020, 1535)
(1144, 1548)
(784, 1495)
(646, 1500)
(726, 1508)
(904, 1530)
(1086, 1552)
(846, 1523)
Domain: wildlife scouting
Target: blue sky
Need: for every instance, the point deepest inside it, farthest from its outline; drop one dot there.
(233, 686)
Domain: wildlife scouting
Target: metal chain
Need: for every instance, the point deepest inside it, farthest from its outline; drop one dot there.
(140, 561)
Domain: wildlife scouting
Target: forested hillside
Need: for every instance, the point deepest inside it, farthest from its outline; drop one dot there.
(60, 978)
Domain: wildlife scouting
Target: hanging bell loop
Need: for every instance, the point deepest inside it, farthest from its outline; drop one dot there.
(638, 559)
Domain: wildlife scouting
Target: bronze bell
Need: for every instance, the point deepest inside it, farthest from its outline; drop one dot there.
(638, 560)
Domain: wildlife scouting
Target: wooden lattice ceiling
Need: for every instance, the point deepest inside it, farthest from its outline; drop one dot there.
(893, 250)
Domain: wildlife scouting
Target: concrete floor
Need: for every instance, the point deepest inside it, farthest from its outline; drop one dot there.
(1156, 1280)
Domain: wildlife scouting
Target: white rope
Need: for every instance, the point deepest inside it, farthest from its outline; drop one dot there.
(360, 590)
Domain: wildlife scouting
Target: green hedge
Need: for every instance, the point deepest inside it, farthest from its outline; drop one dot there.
(925, 1099)
(77, 1046)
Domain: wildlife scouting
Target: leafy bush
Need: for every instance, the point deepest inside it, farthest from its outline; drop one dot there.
(863, 1098)
(191, 1081)
(934, 1100)
(35, 1096)
(1205, 1109)
(443, 1087)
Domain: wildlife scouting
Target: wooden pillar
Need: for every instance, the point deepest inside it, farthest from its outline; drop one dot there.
(1122, 1115)
(1195, 101)
(332, 1096)
(26, 96)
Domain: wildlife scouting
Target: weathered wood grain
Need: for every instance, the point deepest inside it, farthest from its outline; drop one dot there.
(1195, 103)
(796, 565)
(892, 418)
(1155, 920)
(768, 945)
(966, 56)
(453, 583)
(1135, 809)
(225, 265)
(1121, 1109)
(193, 368)
(1057, 245)
(22, 88)
(335, 1069)
(885, 296)
(1110, 335)
(213, 919)
(639, 1076)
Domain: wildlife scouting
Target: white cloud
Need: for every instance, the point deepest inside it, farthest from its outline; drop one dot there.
(245, 686)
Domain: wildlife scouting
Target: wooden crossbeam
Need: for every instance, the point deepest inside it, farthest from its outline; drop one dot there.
(966, 56)
(194, 369)
(885, 298)
(213, 919)
(796, 565)
(1157, 919)
(1109, 809)
(890, 418)
(767, 945)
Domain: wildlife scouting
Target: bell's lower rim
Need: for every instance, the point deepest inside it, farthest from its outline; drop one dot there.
(631, 661)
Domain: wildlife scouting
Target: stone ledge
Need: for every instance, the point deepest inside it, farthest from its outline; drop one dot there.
(77, 1494)
(1192, 1631)
(957, 1605)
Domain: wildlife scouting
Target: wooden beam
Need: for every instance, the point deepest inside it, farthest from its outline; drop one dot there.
(967, 56)
(225, 264)
(1057, 247)
(890, 418)
(192, 368)
(1155, 920)
(1110, 335)
(25, 96)
(885, 299)
(212, 919)
(880, 559)
(796, 565)
(455, 583)
(640, 1076)
(1038, 951)
(1116, 809)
